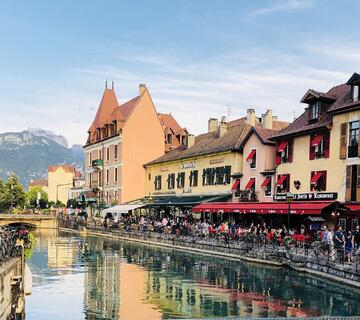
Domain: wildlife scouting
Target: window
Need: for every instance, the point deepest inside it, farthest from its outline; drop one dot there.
(250, 186)
(354, 223)
(181, 180)
(219, 175)
(318, 181)
(193, 178)
(149, 177)
(169, 138)
(116, 152)
(342, 223)
(319, 146)
(100, 155)
(284, 152)
(90, 159)
(315, 110)
(355, 93)
(116, 175)
(352, 191)
(107, 175)
(107, 197)
(107, 154)
(115, 195)
(251, 158)
(171, 181)
(158, 182)
(266, 185)
(353, 139)
(283, 183)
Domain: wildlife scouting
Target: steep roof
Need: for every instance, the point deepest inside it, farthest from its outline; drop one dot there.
(263, 134)
(66, 167)
(209, 143)
(127, 108)
(38, 183)
(107, 105)
(276, 124)
(168, 121)
(340, 100)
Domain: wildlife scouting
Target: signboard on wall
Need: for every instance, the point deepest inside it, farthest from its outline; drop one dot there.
(161, 193)
(319, 196)
(216, 161)
(187, 165)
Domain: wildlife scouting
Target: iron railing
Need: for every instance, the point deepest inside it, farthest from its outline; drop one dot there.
(8, 245)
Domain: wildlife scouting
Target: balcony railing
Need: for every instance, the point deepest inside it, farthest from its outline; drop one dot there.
(246, 196)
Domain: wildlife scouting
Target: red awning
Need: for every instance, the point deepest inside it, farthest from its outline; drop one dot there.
(317, 140)
(250, 184)
(235, 185)
(309, 208)
(266, 182)
(353, 207)
(316, 177)
(282, 146)
(281, 180)
(251, 155)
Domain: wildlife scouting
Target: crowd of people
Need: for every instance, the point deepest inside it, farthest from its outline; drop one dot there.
(346, 244)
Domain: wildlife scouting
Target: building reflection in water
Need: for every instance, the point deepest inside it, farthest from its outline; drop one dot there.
(127, 281)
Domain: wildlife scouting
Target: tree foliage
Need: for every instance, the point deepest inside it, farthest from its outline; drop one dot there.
(12, 194)
(32, 196)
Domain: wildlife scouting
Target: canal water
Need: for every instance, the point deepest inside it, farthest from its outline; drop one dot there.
(94, 278)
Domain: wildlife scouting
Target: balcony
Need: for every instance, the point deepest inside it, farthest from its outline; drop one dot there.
(247, 196)
(98, 163)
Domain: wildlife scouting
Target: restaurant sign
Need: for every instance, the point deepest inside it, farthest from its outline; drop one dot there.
(319, 196)
(187, 165)
(217, 161)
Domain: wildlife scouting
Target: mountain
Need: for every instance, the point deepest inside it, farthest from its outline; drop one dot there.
(29, 154)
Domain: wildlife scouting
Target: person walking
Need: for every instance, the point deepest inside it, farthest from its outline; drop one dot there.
(339, 240)
(348, 246)
(356, 238)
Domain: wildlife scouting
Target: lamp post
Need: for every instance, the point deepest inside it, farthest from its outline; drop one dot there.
(289, 199)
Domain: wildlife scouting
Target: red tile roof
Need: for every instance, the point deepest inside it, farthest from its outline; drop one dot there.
(66, 167)
(38, 183)
(127, 108)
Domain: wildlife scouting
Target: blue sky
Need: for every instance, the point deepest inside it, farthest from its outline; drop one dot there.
(196, 57)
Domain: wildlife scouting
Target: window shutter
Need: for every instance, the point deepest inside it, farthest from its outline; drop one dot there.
(358, 184)
(324, 180)
(311, 150)
(348, 184)
(343, 140)
(290, 146)
(327, 145)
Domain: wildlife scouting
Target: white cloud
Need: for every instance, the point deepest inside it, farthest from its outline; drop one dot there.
(282, 5)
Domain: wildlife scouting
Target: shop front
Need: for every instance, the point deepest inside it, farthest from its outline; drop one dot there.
(273, 214)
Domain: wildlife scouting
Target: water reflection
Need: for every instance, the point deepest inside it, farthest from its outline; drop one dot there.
(104, 279)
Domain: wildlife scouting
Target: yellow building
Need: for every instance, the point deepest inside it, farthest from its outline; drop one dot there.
(42, 183)
(60, 180)
(317, 155)
(207, 169)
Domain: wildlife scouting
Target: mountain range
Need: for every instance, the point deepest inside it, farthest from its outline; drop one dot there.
(29, 153)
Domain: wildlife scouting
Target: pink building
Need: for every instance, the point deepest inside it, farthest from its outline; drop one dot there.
(122, 138)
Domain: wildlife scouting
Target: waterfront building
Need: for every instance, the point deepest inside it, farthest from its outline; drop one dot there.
(208, 168)
(258, 176)
(317, 155)
(121, 139)
(61, 179)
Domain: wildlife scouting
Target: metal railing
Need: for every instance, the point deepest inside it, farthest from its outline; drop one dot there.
(8, 245)
(314, 254)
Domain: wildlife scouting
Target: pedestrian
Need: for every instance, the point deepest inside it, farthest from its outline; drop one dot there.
(356, 238)
(348, 246)
(339, 241)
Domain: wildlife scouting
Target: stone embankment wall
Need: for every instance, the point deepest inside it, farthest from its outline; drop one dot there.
(8, 270)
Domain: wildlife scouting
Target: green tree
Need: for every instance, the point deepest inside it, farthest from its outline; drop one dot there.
(32, 196)
(12, 194)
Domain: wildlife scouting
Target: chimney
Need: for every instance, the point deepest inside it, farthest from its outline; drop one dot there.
(251, 117)
(142, 88)
(223, 127)
(190, 140)
(212, 125)
(267, 119)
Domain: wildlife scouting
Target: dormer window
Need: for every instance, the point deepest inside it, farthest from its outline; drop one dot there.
(315, 110)
(355, 92)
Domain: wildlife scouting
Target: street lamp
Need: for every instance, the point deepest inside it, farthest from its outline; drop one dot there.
(289, 199)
